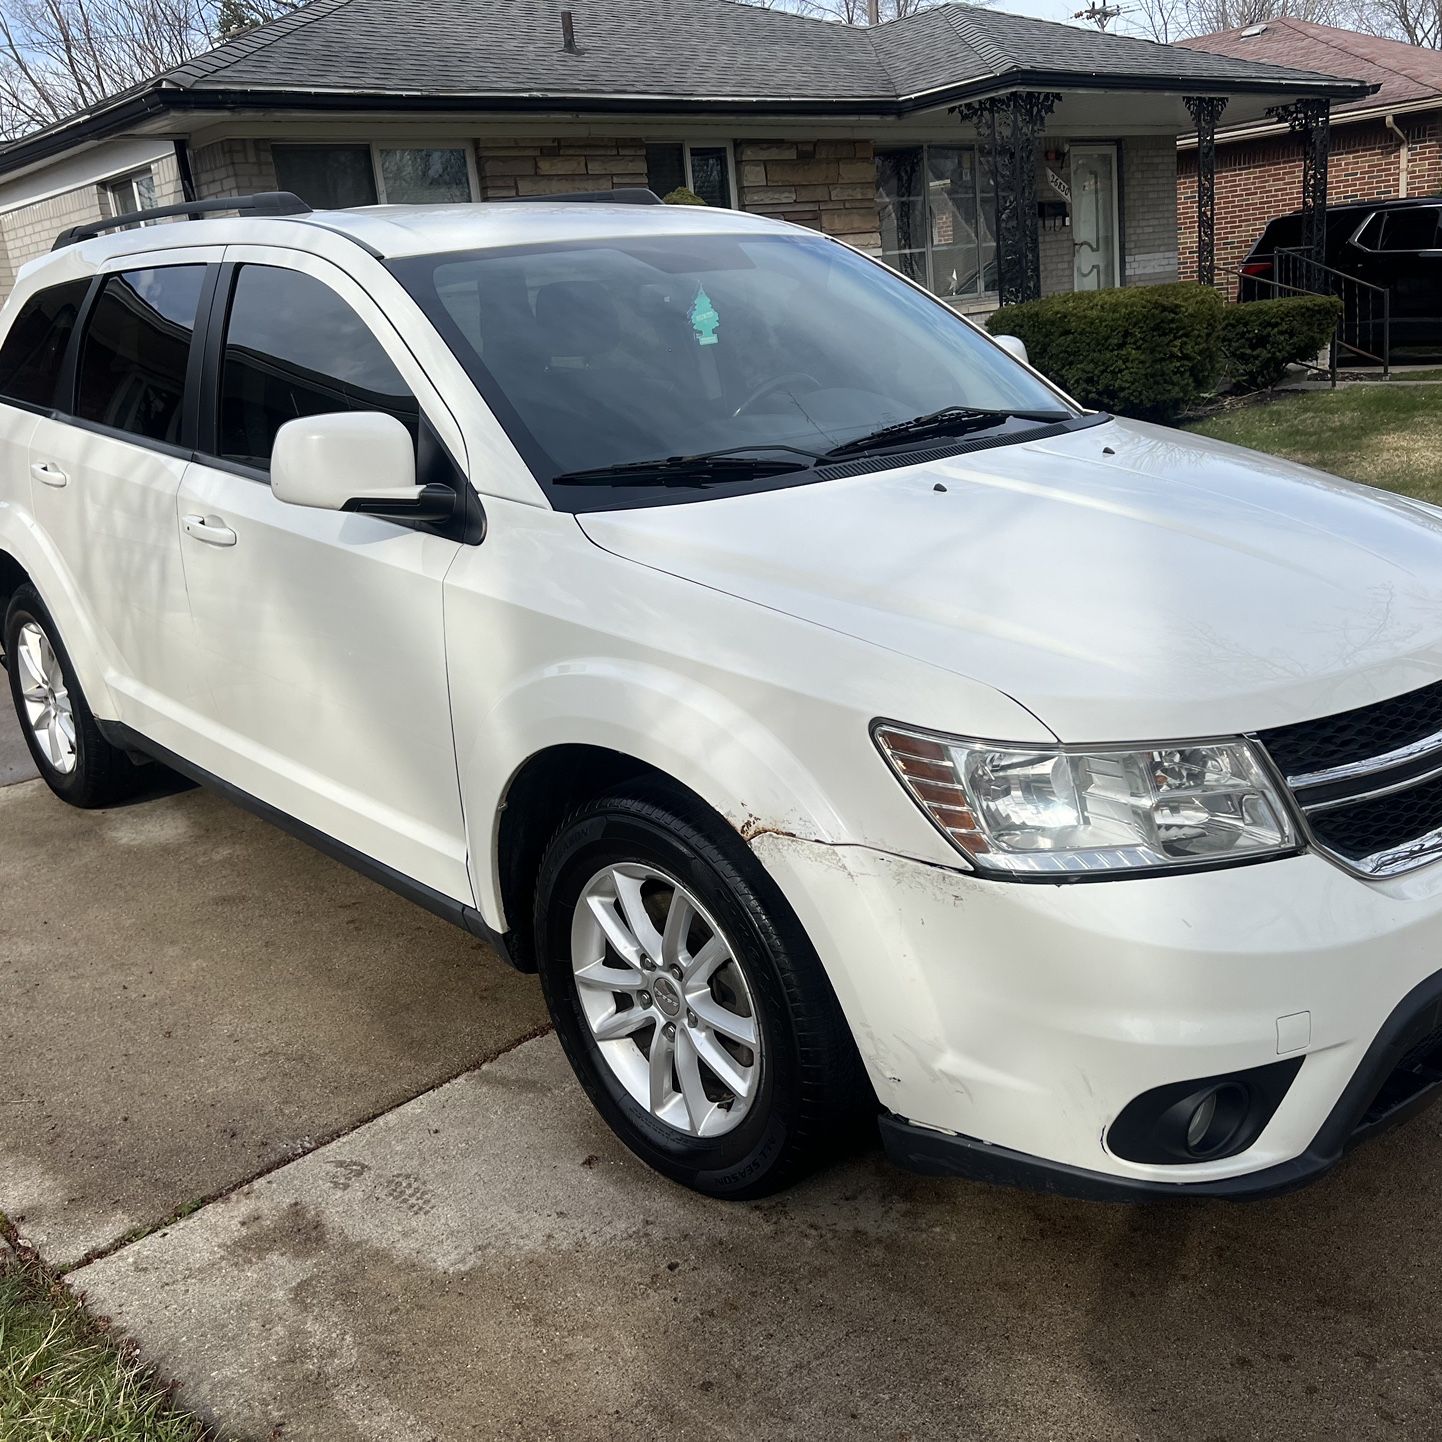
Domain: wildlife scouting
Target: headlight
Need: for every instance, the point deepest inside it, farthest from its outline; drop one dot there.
(1043, 810)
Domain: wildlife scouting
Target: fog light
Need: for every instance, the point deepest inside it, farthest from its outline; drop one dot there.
(1217, 1116)
(1204, 1119)
(1201, 1122)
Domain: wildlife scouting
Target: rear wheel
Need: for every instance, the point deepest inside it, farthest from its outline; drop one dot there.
(77, 763)
(690, 1003)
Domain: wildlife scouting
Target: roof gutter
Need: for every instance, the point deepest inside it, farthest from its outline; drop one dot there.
(99, 124)
(116, 116)
(1260, 129)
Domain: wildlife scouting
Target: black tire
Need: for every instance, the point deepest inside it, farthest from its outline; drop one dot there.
(102, 774)
(812, 1091)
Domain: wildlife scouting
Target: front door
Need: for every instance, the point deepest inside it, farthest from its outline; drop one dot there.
(322, 631)
(1096, 227)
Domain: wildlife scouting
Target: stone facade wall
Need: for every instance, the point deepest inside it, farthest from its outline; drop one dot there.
(829, 185)
(232, 167)
(1260, 179)
(553, 167)
(1058, 261)
(1149, 219)
(31, 230)
(165, 173)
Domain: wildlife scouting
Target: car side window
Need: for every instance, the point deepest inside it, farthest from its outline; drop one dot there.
(135, 351)
(1369, 237)
(294, 348)
(33, 351)
(1283, 233)
(1411, 229)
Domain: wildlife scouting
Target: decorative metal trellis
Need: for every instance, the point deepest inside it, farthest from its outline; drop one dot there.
(1312, 120)
(1206, 111)
(1009, 126)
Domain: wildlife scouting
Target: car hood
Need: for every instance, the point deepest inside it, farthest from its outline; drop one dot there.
(1121, 581)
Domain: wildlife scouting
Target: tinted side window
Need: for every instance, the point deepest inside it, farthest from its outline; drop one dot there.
(35, 347)
(1285, 232)
(1410, 229)
(135, 350)
(294, 348)
(1370, 235)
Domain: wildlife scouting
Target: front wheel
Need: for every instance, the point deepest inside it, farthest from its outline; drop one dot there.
(691, 1005)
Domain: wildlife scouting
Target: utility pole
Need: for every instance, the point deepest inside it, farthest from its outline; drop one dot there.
(873, 12)
(1099, 13)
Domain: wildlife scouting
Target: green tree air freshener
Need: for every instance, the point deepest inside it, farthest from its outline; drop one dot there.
(703, 318)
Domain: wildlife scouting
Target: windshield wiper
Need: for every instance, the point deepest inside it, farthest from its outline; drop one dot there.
(707, 468)
(948, 421)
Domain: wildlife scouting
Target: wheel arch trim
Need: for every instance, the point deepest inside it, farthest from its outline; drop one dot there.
(659, 721)
(27, 548)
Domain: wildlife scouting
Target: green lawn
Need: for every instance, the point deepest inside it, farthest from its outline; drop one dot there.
(1382, 435)
(63, 1378)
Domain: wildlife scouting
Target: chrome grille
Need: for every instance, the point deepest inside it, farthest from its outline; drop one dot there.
(1369, 781)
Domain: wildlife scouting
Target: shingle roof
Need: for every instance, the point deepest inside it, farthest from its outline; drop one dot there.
(653, 56)
(712, 49)
(1405, 73)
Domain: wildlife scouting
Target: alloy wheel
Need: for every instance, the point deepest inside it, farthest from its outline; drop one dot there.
(49, 711)
(666, 1000)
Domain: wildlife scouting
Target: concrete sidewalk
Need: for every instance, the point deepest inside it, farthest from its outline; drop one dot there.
(487, 1262)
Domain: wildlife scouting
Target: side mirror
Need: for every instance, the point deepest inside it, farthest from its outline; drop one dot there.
(1014, 346)
(361, 461)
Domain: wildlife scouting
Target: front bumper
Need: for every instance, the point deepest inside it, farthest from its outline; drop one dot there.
(1400, 1074)
(1005, 1027)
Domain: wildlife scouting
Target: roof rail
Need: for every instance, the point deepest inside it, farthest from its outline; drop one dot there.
(625, 195)
(270, 202)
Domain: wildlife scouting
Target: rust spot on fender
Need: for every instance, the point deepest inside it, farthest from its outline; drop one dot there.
(754, 827)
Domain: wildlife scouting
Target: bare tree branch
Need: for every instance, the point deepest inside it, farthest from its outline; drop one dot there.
(61, 56)
(852, 12)
(1418, 22)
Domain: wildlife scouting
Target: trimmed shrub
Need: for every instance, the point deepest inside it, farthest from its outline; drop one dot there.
(682, 196)
(1151, 351)
(1262, 338)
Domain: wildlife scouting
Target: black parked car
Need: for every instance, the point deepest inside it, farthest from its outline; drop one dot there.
(1396, 244)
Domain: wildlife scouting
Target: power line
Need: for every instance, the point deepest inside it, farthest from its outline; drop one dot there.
(1100, 14)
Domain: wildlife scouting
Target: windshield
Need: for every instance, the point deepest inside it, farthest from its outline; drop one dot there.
(602, 354)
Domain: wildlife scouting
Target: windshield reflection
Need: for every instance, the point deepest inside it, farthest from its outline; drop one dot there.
(608, 353)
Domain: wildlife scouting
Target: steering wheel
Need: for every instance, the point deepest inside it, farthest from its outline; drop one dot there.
(777, 383)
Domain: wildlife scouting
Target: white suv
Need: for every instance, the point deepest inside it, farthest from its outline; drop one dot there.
(830, 710)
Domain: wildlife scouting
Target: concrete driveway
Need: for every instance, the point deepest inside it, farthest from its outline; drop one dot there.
(15, 762)
(419, 1230)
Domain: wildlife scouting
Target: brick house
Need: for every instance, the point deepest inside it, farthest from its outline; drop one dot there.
(989, 156)
(1384, 145)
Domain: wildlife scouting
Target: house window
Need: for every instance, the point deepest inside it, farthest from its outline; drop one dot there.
(705, 169)
(431, 176)
(333, 177)
(328, 177)
(936, 206)
(131, 193)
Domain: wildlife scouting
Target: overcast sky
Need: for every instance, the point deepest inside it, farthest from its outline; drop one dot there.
(1042, 9)
(1060, 10)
